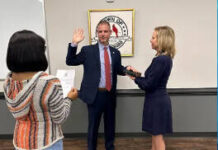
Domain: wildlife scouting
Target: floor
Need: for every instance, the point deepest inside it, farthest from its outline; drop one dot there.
(137, 143)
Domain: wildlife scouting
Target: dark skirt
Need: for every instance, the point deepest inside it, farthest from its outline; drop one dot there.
(157, 115)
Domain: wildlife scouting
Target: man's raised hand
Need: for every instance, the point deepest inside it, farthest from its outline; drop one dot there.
(78, 36)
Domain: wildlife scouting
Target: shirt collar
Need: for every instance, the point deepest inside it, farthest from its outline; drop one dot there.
(101, 46)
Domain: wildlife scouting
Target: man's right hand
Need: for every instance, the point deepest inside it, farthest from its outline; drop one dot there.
(78, 36)
(134, 70)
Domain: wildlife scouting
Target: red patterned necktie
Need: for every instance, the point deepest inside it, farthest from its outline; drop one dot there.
(107, 69)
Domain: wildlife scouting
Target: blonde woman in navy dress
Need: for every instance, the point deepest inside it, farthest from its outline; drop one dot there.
(157, 113)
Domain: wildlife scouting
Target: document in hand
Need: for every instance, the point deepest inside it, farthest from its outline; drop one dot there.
(67, 80)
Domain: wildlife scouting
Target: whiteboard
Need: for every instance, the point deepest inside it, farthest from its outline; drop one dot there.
(18, 15)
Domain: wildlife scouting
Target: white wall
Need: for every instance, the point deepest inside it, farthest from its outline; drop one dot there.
(194, 22)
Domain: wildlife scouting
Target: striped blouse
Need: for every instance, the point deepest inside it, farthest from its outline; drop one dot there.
(39, 109)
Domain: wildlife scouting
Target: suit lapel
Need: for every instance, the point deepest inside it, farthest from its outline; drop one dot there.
(97, 56)
(112, 51)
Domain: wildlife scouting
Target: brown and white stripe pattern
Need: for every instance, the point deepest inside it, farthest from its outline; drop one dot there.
(39, 109)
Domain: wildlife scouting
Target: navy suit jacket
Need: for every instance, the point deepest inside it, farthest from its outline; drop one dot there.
(156, 76)
(90, 58)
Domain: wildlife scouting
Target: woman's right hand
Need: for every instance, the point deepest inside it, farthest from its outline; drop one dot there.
(73, 94)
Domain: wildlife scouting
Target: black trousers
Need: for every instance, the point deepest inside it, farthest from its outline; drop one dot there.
(103, 104)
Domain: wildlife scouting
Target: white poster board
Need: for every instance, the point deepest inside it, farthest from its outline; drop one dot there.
(19, 15)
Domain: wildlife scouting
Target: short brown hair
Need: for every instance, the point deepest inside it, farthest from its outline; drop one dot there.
(103, 22)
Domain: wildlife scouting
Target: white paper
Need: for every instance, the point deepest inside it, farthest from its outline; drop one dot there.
(67, 80)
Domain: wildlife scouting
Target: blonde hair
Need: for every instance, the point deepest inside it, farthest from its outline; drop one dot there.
(165, 41)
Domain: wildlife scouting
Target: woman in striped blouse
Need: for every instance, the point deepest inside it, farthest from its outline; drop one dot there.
(34, 98)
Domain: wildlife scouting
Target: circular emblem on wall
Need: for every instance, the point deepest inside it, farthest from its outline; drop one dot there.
(119, 33)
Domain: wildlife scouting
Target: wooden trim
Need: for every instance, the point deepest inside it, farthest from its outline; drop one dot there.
(141, 134)
(144, 134)
(171, 91)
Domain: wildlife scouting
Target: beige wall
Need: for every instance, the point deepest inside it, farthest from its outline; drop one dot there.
(194, 22)
(1, 86)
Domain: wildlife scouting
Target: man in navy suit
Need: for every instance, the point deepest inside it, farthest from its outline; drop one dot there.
(102, 64)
